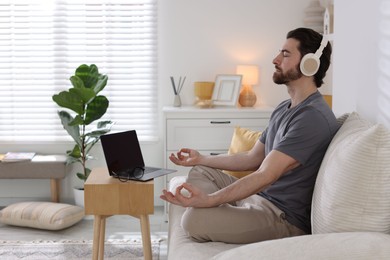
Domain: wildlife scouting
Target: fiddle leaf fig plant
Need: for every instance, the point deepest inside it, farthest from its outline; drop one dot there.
(88, 106)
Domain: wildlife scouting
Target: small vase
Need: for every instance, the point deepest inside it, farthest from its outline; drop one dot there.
(247, 97)
(177, 101)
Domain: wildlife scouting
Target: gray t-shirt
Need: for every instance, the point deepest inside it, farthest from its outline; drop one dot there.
(304, 133)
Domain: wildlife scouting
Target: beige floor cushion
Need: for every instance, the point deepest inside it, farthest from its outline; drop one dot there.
(41, 215)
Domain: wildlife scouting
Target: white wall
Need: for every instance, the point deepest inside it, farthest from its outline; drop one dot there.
(359, 81)
(203, 38)
(198, 39)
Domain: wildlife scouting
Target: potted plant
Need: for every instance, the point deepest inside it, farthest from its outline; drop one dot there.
(83, 99)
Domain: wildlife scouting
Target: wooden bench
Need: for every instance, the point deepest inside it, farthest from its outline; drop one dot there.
(40, 167)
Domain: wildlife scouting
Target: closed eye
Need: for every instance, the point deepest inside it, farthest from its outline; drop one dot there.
(285, 53)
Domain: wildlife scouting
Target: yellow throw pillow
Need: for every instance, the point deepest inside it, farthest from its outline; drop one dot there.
(243, 140)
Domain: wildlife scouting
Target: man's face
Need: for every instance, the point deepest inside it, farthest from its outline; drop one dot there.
(287, 63)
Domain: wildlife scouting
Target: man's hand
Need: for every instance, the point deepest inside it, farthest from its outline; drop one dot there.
(185, 157)
(197, 198)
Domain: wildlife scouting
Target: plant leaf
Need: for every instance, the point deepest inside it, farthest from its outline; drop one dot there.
(69, 100)
(85, 94)
(76, 82)
(93, 136)
(71, 160)
(81, 176)
(75, 153)
(88, 74)
(102, 128)
(102, 82)
(77, 121)
(73, 130)
(90, 144)
(96, 109)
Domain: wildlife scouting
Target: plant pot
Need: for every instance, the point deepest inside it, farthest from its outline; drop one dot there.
(79, 196)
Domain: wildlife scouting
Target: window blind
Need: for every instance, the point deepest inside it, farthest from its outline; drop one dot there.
(42, 42)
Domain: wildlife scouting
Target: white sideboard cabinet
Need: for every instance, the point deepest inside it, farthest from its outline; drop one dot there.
(208, 130)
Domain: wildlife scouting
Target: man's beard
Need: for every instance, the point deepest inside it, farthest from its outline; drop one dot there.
(283, 78)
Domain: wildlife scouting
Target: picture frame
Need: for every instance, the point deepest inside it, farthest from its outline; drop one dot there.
(226, 90)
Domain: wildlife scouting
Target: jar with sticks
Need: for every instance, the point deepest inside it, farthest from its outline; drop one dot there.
(176, 90)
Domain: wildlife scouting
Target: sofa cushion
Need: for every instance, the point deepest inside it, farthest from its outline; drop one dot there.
(352, 190)
(336, 246)
(41, 215)
(243, 140)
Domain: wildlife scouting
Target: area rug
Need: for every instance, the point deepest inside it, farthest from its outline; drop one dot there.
(69, 250)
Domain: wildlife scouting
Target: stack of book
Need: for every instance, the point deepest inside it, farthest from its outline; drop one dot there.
(16, 157)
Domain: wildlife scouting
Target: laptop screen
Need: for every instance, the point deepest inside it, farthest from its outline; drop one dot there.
(122, 151)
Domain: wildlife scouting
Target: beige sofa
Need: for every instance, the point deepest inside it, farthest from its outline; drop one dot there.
(350, 207)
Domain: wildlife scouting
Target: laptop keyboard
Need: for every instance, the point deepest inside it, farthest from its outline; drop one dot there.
(150, 169)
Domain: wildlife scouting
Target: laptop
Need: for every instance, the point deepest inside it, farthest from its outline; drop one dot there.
(124, 158)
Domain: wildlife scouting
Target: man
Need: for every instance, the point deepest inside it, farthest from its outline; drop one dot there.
(275, 200)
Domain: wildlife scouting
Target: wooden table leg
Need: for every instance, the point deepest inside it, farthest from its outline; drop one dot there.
(145, 231)
(55, 190)
(96, 236)
(102, 237)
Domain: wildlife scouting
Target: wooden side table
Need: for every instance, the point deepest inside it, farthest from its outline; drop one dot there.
(105, 196)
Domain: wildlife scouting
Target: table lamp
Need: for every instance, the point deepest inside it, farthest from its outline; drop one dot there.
(250, 77)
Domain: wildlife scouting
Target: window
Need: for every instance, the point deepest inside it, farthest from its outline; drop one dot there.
(42, 42)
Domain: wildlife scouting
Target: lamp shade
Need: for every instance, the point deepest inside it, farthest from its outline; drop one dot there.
(250, 74)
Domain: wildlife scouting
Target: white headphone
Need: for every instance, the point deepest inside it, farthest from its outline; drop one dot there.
(310, 63)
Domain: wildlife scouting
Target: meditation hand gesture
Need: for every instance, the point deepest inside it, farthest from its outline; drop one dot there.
(185, 157)
(196, 198)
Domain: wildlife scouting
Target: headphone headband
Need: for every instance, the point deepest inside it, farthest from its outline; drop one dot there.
(323, 44)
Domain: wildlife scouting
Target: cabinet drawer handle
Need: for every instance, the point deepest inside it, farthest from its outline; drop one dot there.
(220, 122)
(215, 153)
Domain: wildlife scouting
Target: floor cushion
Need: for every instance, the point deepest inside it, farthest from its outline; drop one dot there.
(41, 215)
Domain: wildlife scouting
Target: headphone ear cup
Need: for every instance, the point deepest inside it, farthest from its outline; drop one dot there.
(310, 64)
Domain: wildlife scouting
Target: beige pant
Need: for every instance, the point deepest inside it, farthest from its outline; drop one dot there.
(249, 220)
